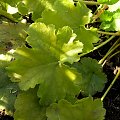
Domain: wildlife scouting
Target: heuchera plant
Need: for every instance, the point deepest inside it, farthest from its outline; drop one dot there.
(44, 60)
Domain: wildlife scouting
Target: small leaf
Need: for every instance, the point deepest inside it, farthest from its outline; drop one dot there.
(93, 79)
(83, 109)
(112, 21)
(28, 108)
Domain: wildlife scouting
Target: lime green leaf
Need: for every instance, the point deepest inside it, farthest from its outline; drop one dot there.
(11, 2)
(45, 67)
(112, 21)
(93, 79)
(71, 51)
(87, 37)
(109, 2)
(83, 109)
(65, 81)
(8, 92)
(22, 8)
(37, 6)
(70, 48)
(64, 13)
(11, 36)
(27, 107)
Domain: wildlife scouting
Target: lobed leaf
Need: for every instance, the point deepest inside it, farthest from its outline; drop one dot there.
(110, 20)
(83, 109)
(87, 37)
(28, 108)
(39, 65)
(93, 79)
(65, 13)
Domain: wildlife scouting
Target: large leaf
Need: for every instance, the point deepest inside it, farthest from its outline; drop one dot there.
(40, 65)
(8, 92)
(28, 108)
(65, 13)
(84, 109)
(93, 79)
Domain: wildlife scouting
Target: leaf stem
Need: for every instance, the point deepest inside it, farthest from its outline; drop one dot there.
(7, 15)
(117, 75)
(89, 2)
(115, 45)
(113, 55)
(109, 33)
(97, 47)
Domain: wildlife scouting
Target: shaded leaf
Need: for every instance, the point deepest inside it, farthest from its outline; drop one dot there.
(93, 79)
(28, 108)
(8, 92)
(83, 109)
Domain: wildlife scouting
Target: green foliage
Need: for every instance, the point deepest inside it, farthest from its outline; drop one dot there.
(81, 110)
(87, 37)
(93, 79)
(110, 20)
(8, 92)
(109, 2)
(47, 64)
(11, 36)
(32, 110)
(64, 13)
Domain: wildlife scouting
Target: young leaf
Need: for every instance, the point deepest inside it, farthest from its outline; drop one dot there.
(45, 67)
(93, 79)
(28, 108)
(110, 20)
(64, 13)
(8, 92)
(109, 2)
(83, 109)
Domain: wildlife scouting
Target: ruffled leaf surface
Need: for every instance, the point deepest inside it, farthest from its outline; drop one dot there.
(41, 65)
(83, 109)
(87, 37)
(65, 13)
(93, 79)
(110, 20)
(28, 108)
